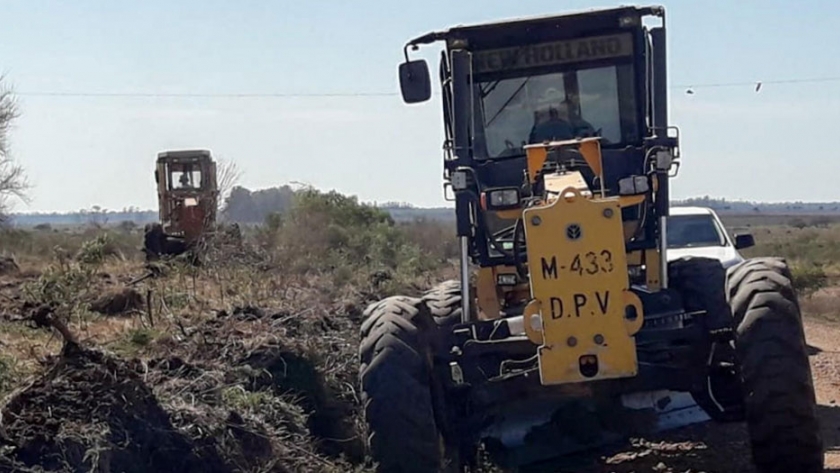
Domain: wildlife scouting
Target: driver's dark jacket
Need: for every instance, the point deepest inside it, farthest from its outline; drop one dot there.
(551, 130)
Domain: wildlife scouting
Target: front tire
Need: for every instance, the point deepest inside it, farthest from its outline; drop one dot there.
(153, 241)
(397, 388)
(701, 283)
(779, 398)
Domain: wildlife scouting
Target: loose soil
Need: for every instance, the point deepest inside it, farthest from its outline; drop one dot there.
(260, 389)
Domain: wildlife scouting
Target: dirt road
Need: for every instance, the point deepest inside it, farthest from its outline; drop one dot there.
(718, 448)
(824, 338)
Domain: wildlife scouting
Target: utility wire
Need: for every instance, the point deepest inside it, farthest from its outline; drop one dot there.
(207, 95)
(690, 87)
(758, 83)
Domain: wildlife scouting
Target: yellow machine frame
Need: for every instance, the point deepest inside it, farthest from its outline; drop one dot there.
(580, 311)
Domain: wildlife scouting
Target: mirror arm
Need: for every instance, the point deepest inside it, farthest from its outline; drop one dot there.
(427, 38)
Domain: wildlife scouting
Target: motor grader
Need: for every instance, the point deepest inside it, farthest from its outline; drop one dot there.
(568, 327)
(187, 202)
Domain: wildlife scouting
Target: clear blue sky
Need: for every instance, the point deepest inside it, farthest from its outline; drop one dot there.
(82, 151)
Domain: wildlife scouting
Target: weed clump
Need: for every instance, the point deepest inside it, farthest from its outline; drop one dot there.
(95, 251)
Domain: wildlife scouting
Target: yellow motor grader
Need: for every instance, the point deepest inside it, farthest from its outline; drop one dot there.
(568, 327)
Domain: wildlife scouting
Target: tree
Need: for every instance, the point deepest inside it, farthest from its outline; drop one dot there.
(12, 178)
(227, 177)
(245, 206)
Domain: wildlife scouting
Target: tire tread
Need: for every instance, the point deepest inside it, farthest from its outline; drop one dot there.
(395, 387)
(780, 400)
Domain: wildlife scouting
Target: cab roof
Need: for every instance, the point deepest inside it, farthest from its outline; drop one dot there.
(571, 23)
(184, 155)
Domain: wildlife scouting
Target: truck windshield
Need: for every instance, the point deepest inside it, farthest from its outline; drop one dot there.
(555, 106)
(691, 231)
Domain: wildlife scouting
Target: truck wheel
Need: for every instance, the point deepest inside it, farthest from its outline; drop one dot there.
(779, 398)
(702, 284)
(444, 302)
(397, 388)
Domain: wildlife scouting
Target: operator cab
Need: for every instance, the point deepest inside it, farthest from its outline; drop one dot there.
(186, 191)
(556, 82)
(183, 169)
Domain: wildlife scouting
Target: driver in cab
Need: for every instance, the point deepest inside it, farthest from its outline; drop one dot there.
(553, 120)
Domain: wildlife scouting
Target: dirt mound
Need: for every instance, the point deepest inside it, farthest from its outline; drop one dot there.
(92, 412)
(285, 367)
(245, 387)
(8, 265)
(117, 301)
(289, 373)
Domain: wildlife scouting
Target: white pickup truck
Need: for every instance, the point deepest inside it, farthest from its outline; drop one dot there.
(698, 231)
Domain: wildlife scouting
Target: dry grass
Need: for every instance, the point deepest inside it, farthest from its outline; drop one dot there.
(805, 246)
(228, 329)
(810, 244)
(251, 356)
(823, 304)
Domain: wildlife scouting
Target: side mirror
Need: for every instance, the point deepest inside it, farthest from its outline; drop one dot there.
(415, 84)
(744, 240)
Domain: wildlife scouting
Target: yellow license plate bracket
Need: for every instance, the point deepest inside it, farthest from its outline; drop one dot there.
(582, 314)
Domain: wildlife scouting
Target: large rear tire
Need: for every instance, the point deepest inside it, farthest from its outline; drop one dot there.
(779, 399)
(397, 388)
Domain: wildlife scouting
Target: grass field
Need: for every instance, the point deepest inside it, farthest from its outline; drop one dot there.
(812, 250)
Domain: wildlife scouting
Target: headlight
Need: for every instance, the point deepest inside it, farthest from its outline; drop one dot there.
(502, 199)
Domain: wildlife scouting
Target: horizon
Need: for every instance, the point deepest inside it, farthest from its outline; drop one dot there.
(412, 206)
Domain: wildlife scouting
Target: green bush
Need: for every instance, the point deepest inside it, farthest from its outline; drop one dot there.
(93, 252)
(59, 286)
(330, 233)
(67, 284)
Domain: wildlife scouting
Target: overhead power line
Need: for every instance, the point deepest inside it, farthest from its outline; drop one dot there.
(757, 84)
(205, 95)
(234, 95)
